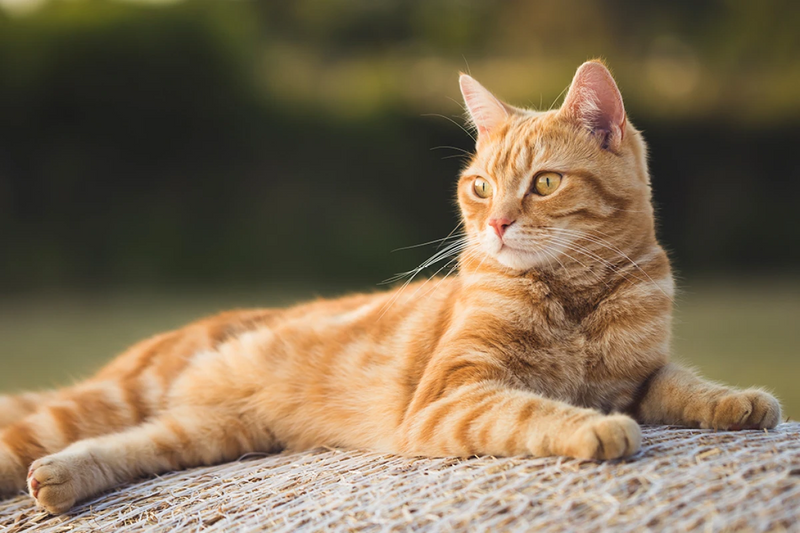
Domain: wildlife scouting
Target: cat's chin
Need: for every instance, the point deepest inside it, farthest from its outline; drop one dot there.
(521, 260)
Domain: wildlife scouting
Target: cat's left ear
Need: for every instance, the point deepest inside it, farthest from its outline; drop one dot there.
(595, 101)
(485, 110)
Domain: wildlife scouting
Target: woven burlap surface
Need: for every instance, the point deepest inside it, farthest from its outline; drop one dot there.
(681, 480)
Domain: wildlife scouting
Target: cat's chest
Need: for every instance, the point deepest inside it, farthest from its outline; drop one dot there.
(548, 350)
(540, 318)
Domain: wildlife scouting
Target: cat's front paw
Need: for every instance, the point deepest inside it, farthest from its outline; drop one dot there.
(750, 409)
(52, 484)
(605, 437)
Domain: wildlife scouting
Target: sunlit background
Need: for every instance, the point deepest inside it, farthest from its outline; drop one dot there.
(160, 161)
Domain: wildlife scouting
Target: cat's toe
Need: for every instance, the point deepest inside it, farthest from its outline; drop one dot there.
(731, 412)
(51, 484)
(607, 437)
(766, 411)
(751, 409)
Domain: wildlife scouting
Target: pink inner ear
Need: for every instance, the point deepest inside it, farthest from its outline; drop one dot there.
(486, 110)
(595, 99)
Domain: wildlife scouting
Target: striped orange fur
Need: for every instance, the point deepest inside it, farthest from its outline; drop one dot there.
(553, 338)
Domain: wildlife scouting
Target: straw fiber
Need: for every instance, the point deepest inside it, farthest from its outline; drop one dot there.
(681, 480)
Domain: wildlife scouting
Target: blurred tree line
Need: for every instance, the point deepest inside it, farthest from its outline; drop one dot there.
(255, 142)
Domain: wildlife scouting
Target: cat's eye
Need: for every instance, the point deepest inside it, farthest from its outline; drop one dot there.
(546, 183)
(482, 188)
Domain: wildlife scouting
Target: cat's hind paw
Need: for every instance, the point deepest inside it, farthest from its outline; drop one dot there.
(605, 437)
(750, 409)
(52, 485)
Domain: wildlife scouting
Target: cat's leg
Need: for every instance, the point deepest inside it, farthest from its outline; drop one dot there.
(87, 410)
(174, 440)
(675, 395)
(489, 418)
(14, 407)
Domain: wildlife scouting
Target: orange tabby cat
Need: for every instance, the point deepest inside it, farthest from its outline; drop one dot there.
(552, 339)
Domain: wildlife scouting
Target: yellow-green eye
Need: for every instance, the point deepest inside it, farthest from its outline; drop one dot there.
(482, 188)
(547, 183)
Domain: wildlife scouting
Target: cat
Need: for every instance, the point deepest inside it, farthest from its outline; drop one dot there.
(552, 338)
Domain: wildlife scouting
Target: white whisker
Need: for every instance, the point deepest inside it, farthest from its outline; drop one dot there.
(452, 231)
(602, 242)
(553, 254)
(467, 152)
(450, 250)
(465, 130)
(434, 241)
(588, 253)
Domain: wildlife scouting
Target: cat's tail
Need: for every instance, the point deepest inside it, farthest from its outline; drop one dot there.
(15, 407)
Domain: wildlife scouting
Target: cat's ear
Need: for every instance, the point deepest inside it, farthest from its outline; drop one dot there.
(595, 101)
(485, 110)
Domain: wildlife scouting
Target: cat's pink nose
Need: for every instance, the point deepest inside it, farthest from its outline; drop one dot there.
(500, 225)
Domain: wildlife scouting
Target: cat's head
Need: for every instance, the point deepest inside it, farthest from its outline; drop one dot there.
(542, 185)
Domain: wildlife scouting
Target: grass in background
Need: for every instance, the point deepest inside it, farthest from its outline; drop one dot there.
(733, 332)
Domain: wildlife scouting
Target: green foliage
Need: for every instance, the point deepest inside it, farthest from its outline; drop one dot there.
(235, 142)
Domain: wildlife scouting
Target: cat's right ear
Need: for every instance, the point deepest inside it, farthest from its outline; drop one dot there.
(485, 110)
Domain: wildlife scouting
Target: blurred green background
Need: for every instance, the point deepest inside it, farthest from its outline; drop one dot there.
(164, 160)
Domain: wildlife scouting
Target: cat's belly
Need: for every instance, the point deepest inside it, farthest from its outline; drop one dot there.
(334, 376)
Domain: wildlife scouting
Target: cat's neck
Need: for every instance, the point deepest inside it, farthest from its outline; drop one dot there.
(545, 280)
(583, 278)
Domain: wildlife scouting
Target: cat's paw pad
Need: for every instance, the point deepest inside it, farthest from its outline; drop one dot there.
(750, 409)
(607, 437)
(52, 485)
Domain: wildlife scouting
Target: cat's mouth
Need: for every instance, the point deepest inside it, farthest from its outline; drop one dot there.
(521, 251)
(505, 247)
(520, 258)
(508, 249)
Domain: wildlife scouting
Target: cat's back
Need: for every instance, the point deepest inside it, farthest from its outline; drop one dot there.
(384, 325)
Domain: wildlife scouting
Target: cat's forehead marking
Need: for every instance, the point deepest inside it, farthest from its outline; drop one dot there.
(524, 148)
(527, 153)
(509, 154)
